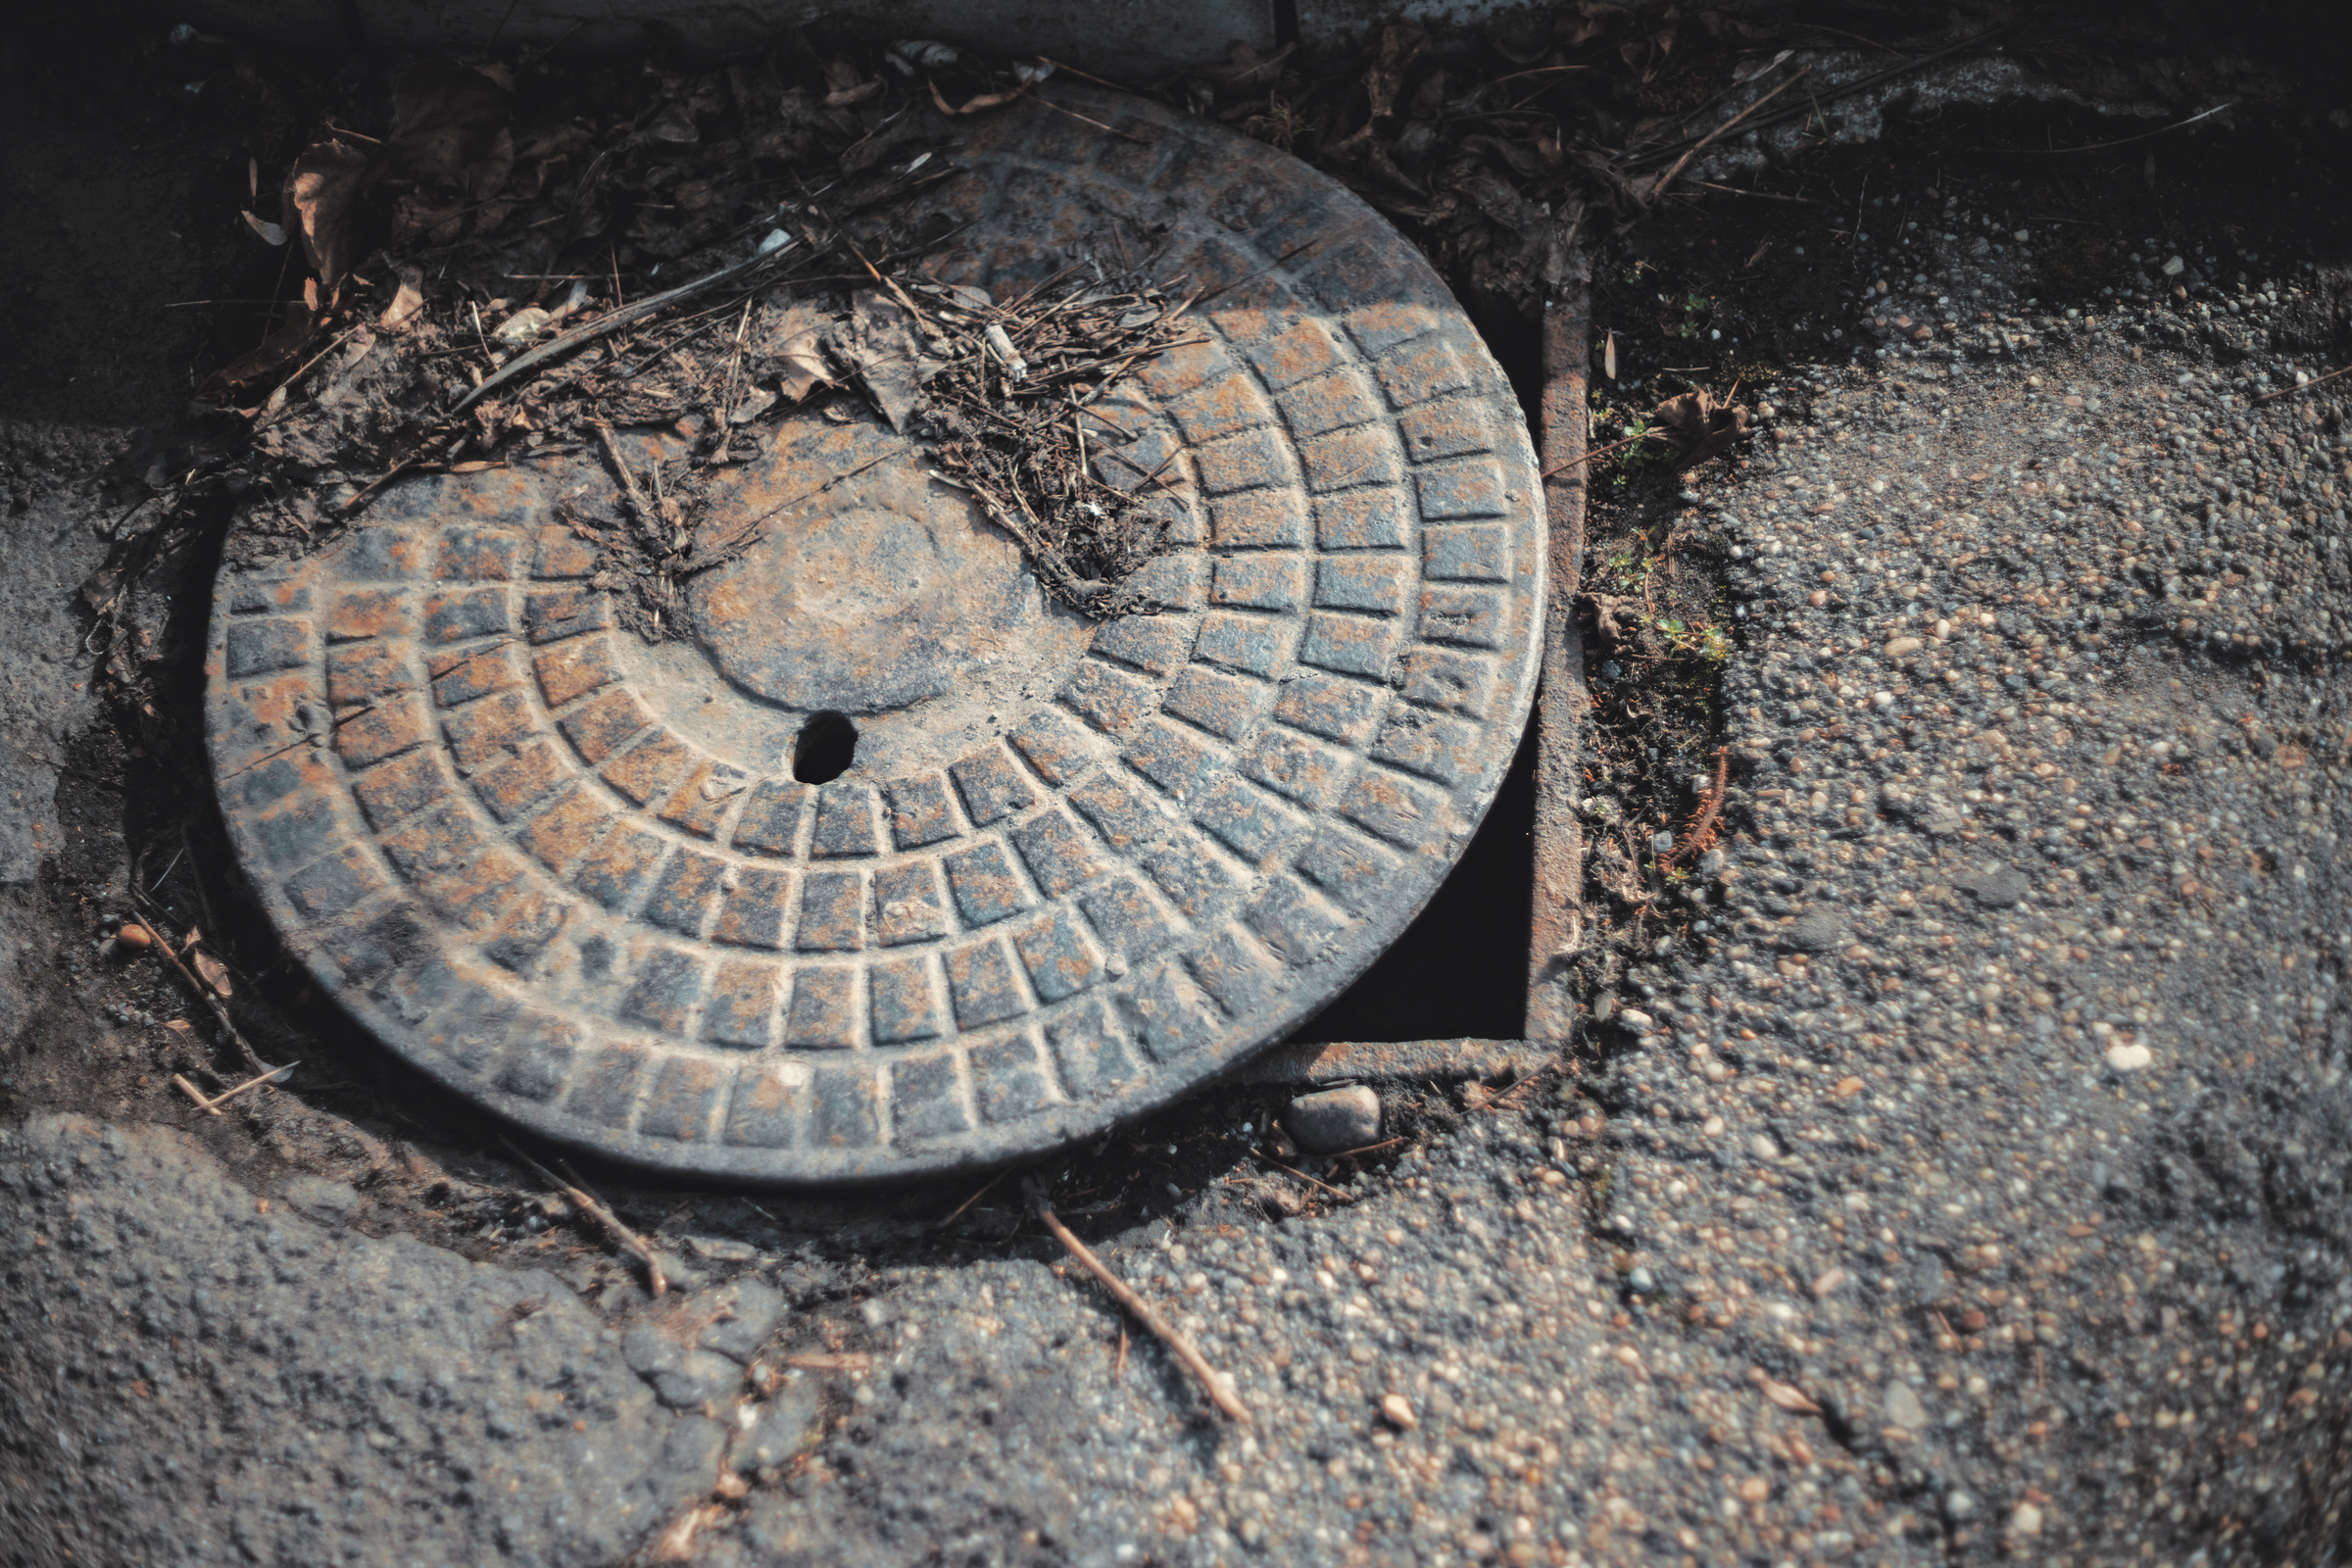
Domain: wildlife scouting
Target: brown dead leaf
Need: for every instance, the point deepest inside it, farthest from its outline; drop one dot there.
(791, 350)
(1699, 426)
(846, 86)
(407, 300)
(1612, 616)
(879, 343)
(1787, 1397)
(973, 106)
(447, 120)
(1243, 72)
(1400, 44)
(269, 360)
(424, 217)
(322, 191)
(803, 367)
(212, 972)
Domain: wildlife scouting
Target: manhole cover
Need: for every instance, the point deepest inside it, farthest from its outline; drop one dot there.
(1069, 871)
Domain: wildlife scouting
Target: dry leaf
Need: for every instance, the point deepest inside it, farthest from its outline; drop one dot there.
(1615, 617)
(524, 326)
(407, 300)
(448, 119)
(1244, 73)
(1787, 1397)
(1699, 426)
(879, 344)
(272, 233)
(846, 86)
(275, 355)
(322, 191)
(973, 106)
(212, 972)
(791, 351)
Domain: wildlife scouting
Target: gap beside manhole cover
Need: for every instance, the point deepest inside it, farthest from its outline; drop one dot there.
(1074, 868)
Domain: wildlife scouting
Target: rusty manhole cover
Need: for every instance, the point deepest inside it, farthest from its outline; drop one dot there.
(1074, 868)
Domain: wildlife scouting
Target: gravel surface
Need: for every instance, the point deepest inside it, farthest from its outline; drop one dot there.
(1963, 1180)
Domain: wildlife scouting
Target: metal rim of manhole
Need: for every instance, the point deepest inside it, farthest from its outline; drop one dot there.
(1075, 869)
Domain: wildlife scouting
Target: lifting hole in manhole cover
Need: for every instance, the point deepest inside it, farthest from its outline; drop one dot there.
(896, 864)
(824, 749)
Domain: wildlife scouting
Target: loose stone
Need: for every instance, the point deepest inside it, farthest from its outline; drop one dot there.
(1335, 1119)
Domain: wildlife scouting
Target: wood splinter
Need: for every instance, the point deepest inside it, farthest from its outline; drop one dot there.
(1220, 1392)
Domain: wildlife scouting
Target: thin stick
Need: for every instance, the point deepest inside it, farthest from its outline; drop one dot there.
(611, 321)
(376, 485)
(1736, 191)
(1496, 1100)
(1114, 130)
(213, 1104)
(340, 339)
(1119, 1369)
(2102, 146)
(638, 504)
(195, 875)
(1082, 75)
(1601, 452)
(985, 1187)
(1368, 1148)
(1708, 140)
(219, 1014)
(1124, 1293)
(1335, 1192)
(193, 1093)
(1858, 84)
(588, 1203)
(2317, 381)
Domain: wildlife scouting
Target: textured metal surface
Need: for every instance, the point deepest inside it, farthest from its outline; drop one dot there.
(1556, 924)
(1075, 870)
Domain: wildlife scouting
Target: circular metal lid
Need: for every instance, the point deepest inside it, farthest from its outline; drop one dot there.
(1075, 869)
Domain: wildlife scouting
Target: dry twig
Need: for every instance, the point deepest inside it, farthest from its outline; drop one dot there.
(1219, 1394)
(211, 1106)
(986, 1188)
(588, 1203)
(2317, 381)
(614, 321)
(1342, 1193)
(221, 1016)
(1708, 140)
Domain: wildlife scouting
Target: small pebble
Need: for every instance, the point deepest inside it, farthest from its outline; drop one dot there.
(1903, 1409)
(1399, 1411)
(1335, 1119)
(2129, 1056)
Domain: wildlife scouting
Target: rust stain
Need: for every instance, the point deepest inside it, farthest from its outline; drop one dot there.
(1556, 926)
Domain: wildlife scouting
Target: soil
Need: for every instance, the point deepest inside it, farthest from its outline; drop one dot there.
(199, 1284)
